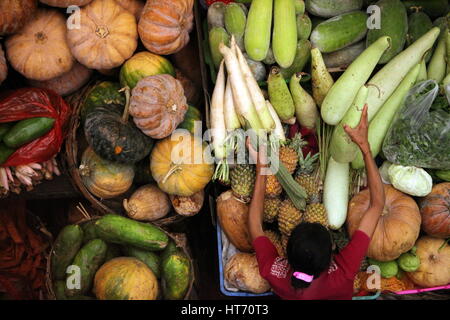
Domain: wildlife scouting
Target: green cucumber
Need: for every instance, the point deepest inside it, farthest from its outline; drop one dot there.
(339, 32)
(4, 128)
(304, 27)
(27, 130)
(433, 8)
(89, 259)
(345, 56)
(257, 30)
(342, 148)
(152, 260)
(386, 80)
(89, 231)
(65, 248)
(117, 229)
(379, 125)
(5, 152)
(217, 35)
(284, 36)
(171, 248)
(235, 21)
(302, 56)
(332, 8)
(280, 97)
(176, 276)
(344, 91)
(393, 23)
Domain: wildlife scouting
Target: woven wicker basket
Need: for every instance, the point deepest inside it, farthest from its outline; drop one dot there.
(75, 145)
(179, 238)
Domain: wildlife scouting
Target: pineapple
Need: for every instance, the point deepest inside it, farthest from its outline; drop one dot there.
(288, 217)
(340, 239)
(304, 177)
(275, 238)
(284, 242)
(271, 207)
(273, 186)
(289, 154)
(243, 180)
(316, 212)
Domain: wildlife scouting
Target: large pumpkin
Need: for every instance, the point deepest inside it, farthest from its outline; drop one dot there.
(233, 218)
(107, 36)
(397, 229)
(134, 6)
(67, 83)
(165, 25)
(158, 105)
(39, 50)
(179, 165)
(14, 14)
(65, 3)
(125, 278)
(104, 179)
(3, 66)
(435, 210)
(434, 255)
(114, 137)
(141, 65)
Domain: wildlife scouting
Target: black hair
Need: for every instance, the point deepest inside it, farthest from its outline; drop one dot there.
(309, 251)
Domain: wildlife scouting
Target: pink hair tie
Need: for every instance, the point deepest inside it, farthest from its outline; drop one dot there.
(303, 276)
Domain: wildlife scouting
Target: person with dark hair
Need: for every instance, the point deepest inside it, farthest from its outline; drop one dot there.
(310, 271)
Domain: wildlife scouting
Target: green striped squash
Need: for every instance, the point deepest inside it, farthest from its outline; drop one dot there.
(192, 115)
(141, 65)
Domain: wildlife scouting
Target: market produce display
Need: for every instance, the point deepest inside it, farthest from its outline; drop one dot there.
(314, 77)
(119, 259)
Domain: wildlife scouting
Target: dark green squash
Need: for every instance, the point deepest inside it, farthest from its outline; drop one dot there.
(102, 94)
(114, 137)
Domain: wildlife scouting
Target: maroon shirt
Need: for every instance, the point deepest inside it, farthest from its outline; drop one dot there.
(334, 284)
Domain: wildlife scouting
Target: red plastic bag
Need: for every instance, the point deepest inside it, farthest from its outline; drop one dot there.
(30, 103)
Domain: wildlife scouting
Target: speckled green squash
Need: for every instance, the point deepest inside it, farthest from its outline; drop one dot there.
(125, 278)
(176, 276)
(102, 94)
(152, 260)
(192, 114)
(65, 248)
(141, 65)
(88, 231)
(113, 139)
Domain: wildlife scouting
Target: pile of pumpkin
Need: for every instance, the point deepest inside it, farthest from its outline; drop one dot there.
(410, 243)
(124, 124)
(95, 258)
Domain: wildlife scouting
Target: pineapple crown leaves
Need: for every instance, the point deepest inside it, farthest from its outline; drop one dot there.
(297, 143)
(307, 163)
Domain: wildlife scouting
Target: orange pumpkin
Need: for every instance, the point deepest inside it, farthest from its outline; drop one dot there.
(134, 6)
(179, 165)
(65, 3)
(14, 14)
(165, 25)
(39, 50)
(397, 229)
(435, 210)
(67, 83)
(3, 66)
(107, 37)
(158, 105)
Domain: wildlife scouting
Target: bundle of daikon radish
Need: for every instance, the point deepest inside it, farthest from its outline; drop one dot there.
(238, 102)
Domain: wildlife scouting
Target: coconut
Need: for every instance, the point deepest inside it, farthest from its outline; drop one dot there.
(233, 217)
(188, 206)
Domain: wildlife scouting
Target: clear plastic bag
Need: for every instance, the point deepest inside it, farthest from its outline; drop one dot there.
(419, 136)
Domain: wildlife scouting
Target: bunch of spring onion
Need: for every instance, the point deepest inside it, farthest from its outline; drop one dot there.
(13, 179)
(238, 102)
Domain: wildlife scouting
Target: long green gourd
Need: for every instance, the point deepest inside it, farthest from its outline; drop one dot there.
(344, 91)
(383, 84)
(258, 28)
(379, 126)
(437, 66)
(284, 37)
(342, 148)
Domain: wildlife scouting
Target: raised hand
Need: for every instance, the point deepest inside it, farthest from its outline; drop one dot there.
(359, 134)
